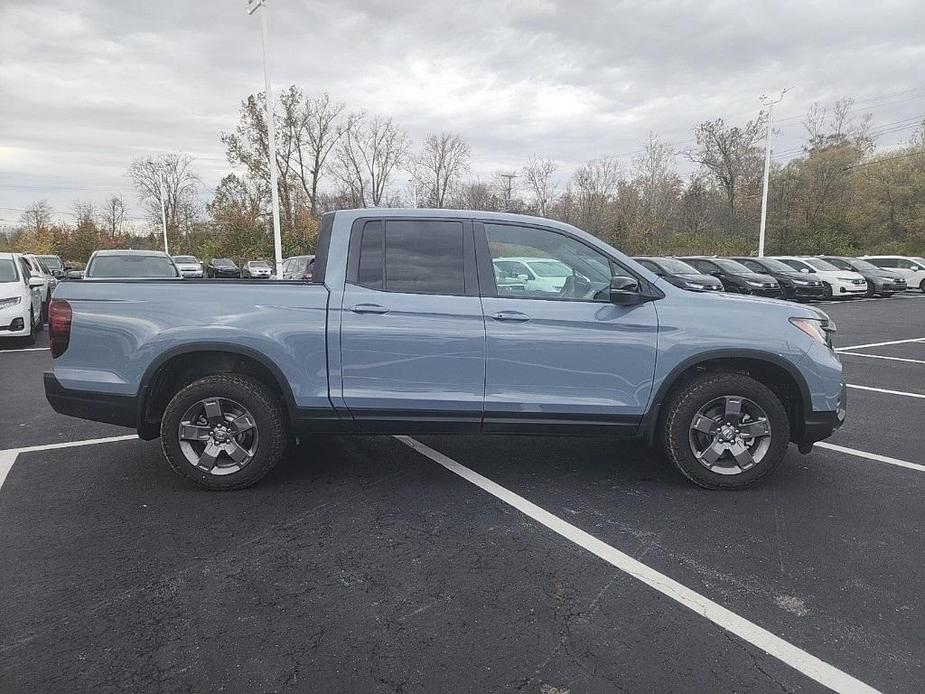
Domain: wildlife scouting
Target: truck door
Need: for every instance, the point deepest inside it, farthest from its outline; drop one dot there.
(412, 335)
(567, 358)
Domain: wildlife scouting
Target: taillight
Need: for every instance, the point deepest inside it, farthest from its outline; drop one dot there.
(59, 326)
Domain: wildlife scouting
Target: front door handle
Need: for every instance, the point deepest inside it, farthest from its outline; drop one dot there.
(369, 308)
(513, 316)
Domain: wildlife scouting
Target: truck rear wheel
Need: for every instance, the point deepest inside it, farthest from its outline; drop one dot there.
(725, 430)
(224, 432)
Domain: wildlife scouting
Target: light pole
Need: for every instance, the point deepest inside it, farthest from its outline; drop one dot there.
(414, 191)
(767, 166)
(156, 169)
(253, 6)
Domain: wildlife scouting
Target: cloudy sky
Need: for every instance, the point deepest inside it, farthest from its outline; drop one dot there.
(87, 85)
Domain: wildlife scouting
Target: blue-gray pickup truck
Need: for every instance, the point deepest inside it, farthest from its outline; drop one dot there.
(408, 325)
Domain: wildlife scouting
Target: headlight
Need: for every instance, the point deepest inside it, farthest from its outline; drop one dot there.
(694, 285)
(12, 301)
(800, 283)
(820, 329)
(754, 284)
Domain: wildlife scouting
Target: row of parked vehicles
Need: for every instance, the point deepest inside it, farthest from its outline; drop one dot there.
(797, 278)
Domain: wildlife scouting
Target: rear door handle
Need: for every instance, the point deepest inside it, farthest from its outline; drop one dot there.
(369, 308)
(513, 316)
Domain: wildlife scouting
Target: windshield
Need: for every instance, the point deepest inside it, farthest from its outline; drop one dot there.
(773, 265)
(131, 266)
(185, 259)
(259, 263)
(839, 263)
(860, 265)
(731, 265)
(550, 268)
(675, 266)
(51, 261)
(920, 261)
(820, 264)
(8, 271)
(222, 262)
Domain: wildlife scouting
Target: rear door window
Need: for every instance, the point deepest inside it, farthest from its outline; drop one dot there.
(413, 256)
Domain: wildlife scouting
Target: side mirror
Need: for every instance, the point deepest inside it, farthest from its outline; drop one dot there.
(523, 278)
(805, 271)
(36, 282)
(624, 290)
(75, 274)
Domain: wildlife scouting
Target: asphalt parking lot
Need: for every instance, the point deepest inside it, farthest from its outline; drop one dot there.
(471, 563)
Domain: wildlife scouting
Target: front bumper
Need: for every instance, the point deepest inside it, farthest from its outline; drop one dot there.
(821, 425)
(97, 407)
(11, 317)
(197, 274)
(806, 292)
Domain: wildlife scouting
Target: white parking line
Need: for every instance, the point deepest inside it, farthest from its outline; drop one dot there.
(881, 344)
(25, 349)
(880, 356)
(887, 391)
(9, 455)
(871, 456)
(795, 657)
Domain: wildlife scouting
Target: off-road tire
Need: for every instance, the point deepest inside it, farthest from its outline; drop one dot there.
(683, 405)
(269, 416)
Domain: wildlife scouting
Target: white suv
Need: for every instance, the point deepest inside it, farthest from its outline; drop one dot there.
(835, 282)
(49, 281)
(911, 269)
(20, 298)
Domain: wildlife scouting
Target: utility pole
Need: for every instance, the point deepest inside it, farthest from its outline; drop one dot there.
(414, 191)
(253, 6)
(767, 166)
(508, 190)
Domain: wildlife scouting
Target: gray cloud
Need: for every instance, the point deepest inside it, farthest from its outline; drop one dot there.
(86, 85)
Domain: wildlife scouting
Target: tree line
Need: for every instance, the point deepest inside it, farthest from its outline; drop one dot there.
(836, 193)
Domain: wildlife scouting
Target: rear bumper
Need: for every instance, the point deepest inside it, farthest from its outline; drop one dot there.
(821, 425)
(97, 407)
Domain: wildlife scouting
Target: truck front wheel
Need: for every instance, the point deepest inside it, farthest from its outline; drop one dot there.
(224, 432)
(725, 430)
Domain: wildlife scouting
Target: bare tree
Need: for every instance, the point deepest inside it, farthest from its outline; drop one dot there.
(729, 154)
(658, 187)
(113, 215)
(538, 175)
(169, 178)
(475, 195)
(85, 212)
(367, 155)
(319, 130)
(37, 217)
(595, 184)
(437, 169)
(835, 127)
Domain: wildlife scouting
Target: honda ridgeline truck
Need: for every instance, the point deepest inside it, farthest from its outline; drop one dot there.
(406, 327)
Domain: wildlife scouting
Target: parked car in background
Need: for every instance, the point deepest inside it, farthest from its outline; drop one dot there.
(222, 268)
(545, 275)
(39, 269)
(298, 267)
(680, 274)
(20, 299)
(794, 285)
(835, 282)
(403, 329)
(880, 282)
(911, 268)
(736, 277)
(189, 265)
(256, 269)
(54, 264)
(130, 264)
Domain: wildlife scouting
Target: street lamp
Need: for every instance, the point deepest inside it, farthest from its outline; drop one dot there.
(253, 6)
(767, 166)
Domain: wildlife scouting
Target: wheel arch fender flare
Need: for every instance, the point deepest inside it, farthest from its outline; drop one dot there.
(714, 357)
